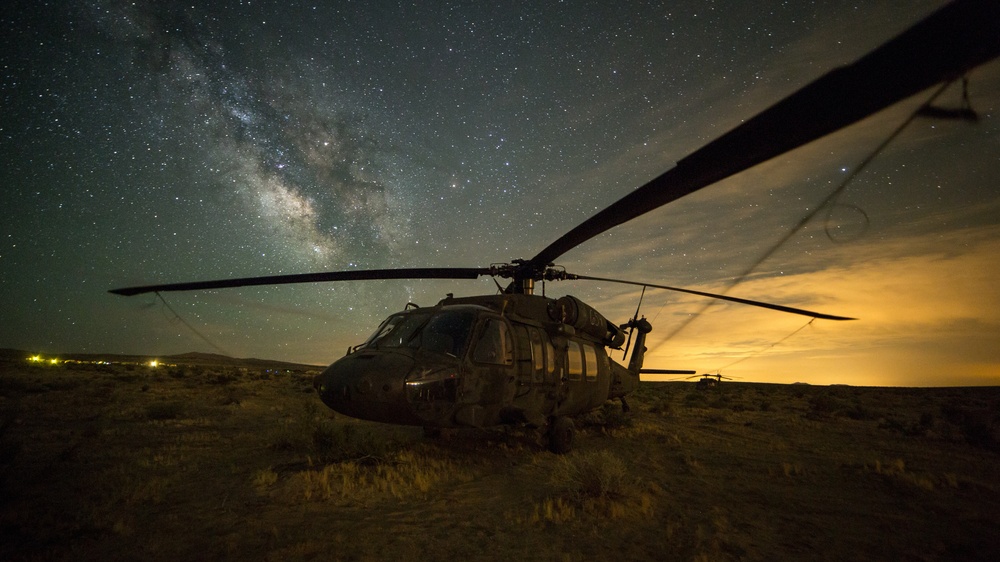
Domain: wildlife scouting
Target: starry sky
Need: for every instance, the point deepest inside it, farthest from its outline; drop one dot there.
(153, 142)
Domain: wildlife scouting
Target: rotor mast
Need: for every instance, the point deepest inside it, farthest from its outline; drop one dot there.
(523, 273)
(528, 286)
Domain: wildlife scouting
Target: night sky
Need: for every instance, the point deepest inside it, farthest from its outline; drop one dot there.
(152, 142)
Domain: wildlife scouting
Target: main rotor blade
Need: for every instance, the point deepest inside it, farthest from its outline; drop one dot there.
(945, 45)
(354, 275)
(760, 304)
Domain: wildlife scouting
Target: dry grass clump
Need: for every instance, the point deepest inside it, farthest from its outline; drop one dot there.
(556, 510)
(264, 479)
(400, 475)
(696, 399)
(792, 469)
(328, 440)
(898, 477)
(335, 442)
(895, 471)
(593, 474)
(590, 484)
(660, 406)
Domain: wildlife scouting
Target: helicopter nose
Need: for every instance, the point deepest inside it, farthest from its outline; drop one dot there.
(368, 385)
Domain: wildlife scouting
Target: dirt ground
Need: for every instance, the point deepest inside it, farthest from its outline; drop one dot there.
(123, 462)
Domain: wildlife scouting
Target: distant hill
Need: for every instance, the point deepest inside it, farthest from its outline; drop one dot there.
(198, 358)
(8, 354)
(191, 358)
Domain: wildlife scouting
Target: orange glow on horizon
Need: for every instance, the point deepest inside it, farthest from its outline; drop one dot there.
(917, 324)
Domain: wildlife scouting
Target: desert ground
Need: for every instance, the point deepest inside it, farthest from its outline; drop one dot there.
(240, 460)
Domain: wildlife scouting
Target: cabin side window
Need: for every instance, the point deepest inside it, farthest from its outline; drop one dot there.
(538, 359)
(550, 361)
(590, 355)
(494, 345)
(574, 361)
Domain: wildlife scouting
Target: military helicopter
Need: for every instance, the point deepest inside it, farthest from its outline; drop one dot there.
(708, 381)
(517, 357)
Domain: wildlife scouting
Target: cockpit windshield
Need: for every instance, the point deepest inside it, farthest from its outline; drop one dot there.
(446, 331)
(396, 331)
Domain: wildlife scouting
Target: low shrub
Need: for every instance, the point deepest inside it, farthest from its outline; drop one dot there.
(334, 442)
(595, 474)
(165, 410)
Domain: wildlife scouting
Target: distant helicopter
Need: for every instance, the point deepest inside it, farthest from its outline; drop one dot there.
(520, 358)
(708, 381)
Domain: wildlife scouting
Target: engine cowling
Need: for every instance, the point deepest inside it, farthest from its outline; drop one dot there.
(571, 310)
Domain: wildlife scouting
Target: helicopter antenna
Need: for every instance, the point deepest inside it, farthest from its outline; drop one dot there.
(635, 317)
(500, 290)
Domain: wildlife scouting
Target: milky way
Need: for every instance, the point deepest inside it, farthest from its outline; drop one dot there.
(299, 166)
(159, 141)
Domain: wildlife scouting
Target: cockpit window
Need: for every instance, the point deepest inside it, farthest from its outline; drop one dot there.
(444, 332)
(397, 331)
(494, 345)
(447, 332)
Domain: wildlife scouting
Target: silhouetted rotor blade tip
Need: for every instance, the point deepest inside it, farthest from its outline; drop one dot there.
(760, 304)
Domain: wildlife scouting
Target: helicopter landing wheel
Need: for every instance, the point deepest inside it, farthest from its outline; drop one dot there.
(561, 433)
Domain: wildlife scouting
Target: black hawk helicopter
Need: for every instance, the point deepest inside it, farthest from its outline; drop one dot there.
(521, 358)
(708, 381)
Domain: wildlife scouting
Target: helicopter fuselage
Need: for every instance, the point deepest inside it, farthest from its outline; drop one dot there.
(483, 361)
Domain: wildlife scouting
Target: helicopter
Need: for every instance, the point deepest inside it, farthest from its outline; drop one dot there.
(520, 358)
(709, 381)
